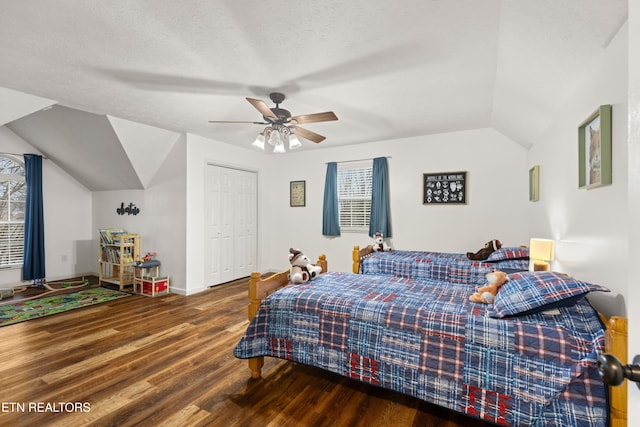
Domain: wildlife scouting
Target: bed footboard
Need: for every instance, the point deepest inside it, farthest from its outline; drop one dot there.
(259, 289)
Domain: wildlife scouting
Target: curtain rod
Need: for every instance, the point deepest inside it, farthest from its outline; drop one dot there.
(356, 160)
(16, 154)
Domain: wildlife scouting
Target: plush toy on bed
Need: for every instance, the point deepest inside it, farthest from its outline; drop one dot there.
(301, 269)
(487, 293)
(379, 244)
(485, 251)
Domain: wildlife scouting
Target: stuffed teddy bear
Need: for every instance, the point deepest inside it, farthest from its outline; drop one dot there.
(301, 269)
(379, 244)
(486, 250)
(487, 293)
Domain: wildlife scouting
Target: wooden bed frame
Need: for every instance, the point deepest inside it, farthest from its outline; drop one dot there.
(615, 338)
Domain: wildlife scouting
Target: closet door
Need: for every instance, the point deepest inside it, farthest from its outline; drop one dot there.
(231, 231)
(228, 208)
(245, 229)
(212, 225)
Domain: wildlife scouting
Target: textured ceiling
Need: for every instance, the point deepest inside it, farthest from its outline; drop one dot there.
(388, 69)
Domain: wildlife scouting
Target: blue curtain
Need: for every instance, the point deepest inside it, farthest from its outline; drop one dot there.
(33, 261)
(380, 220)
(330, 216)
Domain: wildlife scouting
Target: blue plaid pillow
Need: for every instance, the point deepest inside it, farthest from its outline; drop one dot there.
(508, 253)
(535, 291)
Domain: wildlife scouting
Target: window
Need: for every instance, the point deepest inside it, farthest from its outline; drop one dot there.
(354, 195)
(13, 192)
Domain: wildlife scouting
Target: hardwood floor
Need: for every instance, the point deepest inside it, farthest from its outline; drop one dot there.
(168, 361)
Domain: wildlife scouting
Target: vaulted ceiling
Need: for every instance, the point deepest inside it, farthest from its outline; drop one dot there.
(388, 69)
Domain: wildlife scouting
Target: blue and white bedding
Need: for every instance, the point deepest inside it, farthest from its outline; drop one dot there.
(425, 338)
(443, 266)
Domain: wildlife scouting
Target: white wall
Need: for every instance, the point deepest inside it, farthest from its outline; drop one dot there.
(589, 226)
(67, 212)
(633, 295)
(201, 152)
(497, 197)
(161, 222)
(166, 201)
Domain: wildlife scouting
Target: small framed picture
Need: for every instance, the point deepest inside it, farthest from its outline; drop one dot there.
(297, 193)
(594, 149)
(534, 183)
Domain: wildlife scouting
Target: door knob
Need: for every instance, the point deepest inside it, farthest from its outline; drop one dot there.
(613, 372)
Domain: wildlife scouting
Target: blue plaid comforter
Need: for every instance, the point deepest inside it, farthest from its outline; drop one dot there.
(436, 265)
(424, 338)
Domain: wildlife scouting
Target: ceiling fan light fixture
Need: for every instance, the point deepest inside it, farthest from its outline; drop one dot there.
(282, 125)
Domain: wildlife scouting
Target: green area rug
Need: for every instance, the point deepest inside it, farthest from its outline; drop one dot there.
(45, 306)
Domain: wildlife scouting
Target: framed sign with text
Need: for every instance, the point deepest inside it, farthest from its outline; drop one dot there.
(445, 188)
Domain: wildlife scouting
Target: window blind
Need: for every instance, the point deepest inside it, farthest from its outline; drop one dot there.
(11, 243)
(354, 195)
(12, 205)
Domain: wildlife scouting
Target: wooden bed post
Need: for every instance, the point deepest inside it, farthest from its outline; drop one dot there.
(259, 289)
(256, 363)
(322, 262)
(616, 344)
(355, 256)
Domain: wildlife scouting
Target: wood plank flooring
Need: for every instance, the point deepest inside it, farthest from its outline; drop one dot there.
(168, 361)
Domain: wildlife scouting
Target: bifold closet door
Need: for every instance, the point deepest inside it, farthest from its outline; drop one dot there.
(230, 224)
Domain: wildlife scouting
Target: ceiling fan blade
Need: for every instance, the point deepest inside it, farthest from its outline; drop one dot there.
(237, 121)
(263, 108)
(307, 134)
(315, 118)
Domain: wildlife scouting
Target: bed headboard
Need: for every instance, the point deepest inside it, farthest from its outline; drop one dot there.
(616, 344)
(357, 254)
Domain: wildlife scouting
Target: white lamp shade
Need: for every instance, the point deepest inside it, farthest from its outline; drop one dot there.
(541, 249)
(275, 138)
(279, 147)
(259, 142)
(294, 142)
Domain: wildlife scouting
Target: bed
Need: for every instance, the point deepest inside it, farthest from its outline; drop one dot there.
(438, 265)
(422, 337)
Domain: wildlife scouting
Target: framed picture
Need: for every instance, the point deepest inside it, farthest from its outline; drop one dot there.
(444, 188)
(297, 193)
(594, 149)
(534, 182)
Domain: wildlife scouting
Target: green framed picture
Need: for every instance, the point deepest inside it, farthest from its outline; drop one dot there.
(534, 184)
(594, 149)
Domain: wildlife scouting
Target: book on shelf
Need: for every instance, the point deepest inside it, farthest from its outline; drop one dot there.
(113, 255)
(111, 236)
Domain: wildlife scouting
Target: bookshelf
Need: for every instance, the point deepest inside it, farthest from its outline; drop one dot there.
(118, 250)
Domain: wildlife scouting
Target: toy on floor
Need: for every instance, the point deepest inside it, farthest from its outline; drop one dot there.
(145, 259)
(301, 269)
(72, 283)
(487, 293)
(485, 251)
(379, 244)
(148, 256)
